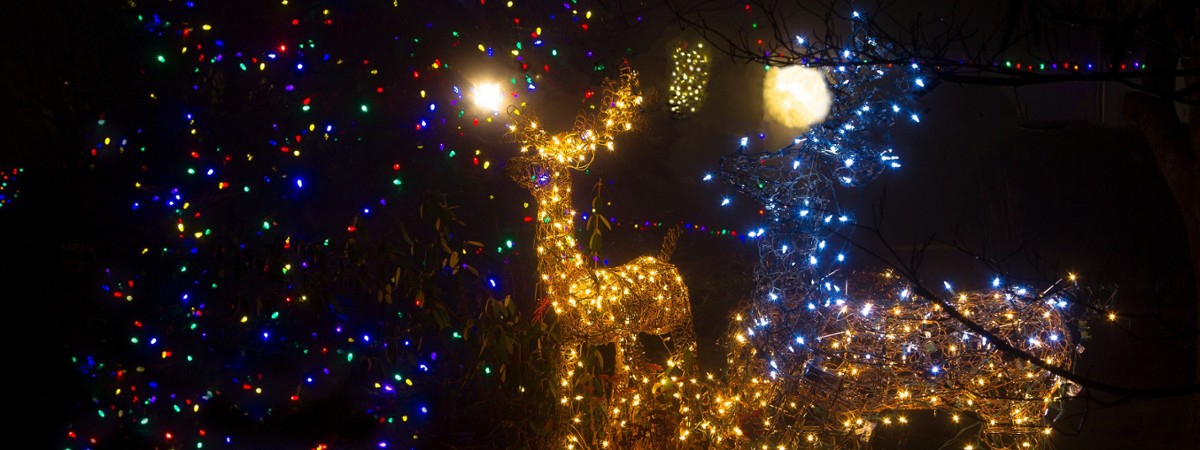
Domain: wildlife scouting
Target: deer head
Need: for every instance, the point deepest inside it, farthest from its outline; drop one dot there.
(545, 155)
(531, 172)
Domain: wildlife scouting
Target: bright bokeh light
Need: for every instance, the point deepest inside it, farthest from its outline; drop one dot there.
(487, 96)
(796, 96)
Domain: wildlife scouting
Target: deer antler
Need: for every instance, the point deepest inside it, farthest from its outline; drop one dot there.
(618, 113)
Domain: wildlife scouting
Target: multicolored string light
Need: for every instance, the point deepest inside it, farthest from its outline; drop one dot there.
(8, 185)
(226, 322)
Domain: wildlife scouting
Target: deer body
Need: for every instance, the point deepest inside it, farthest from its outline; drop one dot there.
(640, 296)
(864, 345)
(602, 305)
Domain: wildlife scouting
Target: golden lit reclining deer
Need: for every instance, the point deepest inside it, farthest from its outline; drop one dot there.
(882, 350)
(595, 305)
(888, 349)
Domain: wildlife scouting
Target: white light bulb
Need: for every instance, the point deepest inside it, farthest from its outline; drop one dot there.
(488, 96)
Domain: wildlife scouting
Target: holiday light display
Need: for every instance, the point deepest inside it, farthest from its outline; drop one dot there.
(597, 305)
(689, 78)
(821, 356)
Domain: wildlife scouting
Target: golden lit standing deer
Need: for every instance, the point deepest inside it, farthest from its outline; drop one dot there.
(595, 305)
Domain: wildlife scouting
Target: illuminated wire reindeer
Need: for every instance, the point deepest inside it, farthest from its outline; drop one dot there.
(595, 305)
(823, 354)
(833, 354)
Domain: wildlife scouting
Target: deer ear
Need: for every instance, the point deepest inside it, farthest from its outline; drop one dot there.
(514, 167)
(522, 169)
(518, 163)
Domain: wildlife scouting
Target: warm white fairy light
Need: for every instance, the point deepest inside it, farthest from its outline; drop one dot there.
(689, 78)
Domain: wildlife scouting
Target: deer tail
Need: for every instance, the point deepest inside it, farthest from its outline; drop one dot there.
(669, 243)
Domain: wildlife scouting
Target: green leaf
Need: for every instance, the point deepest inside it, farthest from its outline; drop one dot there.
(440, 316)
(407, 238)
(595, 242)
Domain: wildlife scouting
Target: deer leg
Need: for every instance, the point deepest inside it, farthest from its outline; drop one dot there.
(684, 352)
(620, 374)
(687, 338)
(635, 359)
(563, 378)
(683, 341)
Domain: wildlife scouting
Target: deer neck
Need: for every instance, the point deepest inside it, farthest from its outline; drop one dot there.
(558, 250)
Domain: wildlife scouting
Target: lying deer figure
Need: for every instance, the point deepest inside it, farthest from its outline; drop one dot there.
(818, 353)
(858, 349)
(595, 305)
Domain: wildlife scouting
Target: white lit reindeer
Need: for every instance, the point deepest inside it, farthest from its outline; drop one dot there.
(822, 353)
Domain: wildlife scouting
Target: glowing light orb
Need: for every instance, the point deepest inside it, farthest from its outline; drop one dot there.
(487, 96)
(796, 96)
